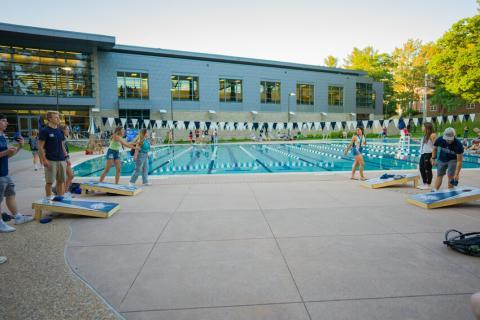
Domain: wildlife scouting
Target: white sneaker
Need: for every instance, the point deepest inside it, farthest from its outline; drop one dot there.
(147, 184)
(131, 184)
(21, 219)
(5, 227)
(3, 259)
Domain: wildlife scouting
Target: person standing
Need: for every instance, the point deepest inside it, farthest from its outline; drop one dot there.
(141, 158)
(426, 148)
(356, 145)
(33, 142)
(113, 153)
(51, 147)
(7, 187)
(68, 182)
(450, 158)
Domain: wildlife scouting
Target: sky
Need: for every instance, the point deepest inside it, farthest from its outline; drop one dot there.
(300, 31)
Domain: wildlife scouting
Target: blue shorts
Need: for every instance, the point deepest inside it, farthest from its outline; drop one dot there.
(113, 154)
(355, 152)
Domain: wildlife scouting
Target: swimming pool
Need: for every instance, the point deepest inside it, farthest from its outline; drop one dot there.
(264, 158)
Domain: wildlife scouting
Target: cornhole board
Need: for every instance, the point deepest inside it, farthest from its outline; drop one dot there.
(444, 198)
(381, 183)
(106, 187)
(98, 209)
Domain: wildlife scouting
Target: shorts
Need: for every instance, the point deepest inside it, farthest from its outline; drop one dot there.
(7, 187)
(35, 152)
(355, 152)
(56, 171)
(446, 167)
(113, 154)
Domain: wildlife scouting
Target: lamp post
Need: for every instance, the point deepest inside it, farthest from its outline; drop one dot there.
(425, 97)
(56, 80)
(291, 94)
(171, 112)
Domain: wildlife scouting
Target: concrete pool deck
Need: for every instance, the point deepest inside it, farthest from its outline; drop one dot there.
(294, 246)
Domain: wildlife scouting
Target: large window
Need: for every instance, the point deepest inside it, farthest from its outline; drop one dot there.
(185, 88)
(365, 95)
(305, 93)
(230, 90)
(335, 96)
(270, 92)
(132, 85)
(38, 72)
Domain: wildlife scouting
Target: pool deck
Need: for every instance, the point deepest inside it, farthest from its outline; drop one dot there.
(272, 246)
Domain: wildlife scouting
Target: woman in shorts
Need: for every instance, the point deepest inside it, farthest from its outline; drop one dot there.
(113, 153)
(33, 142)
(356, 147)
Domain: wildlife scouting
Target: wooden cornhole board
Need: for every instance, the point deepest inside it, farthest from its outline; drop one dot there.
(106, 187)
(397, 180)
(98, 209)
(444, 198)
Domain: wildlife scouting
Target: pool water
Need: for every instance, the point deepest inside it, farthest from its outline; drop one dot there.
(264, 158)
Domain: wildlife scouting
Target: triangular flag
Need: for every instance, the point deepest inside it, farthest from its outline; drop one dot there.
(365, 124)
(376, 123)
(111, 121)
(221, 125)
(450, 119)
(415, 121)
(407, 121)
(327, 126)
(146, 123)
(439, 120)
(134, 122)
(316, 125)
(395, 121)
(158, 123)
(461, 116)
(472, 116)
(124, 121)
(429, 119)
(290, 125)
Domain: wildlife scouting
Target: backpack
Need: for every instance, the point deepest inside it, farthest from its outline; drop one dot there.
(466, 243)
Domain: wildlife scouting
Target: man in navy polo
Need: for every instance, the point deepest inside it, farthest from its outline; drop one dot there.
(7, 187)
(450, 158)
(51, 148)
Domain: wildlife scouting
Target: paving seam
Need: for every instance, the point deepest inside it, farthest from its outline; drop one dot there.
(306, 301)
(107, 244)
(281, 253)
(217, 307)
(153, 247)
(105, 302)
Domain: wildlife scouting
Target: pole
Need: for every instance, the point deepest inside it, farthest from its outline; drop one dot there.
(171, 114)
(425, 97)
(56, 85)
(288, 116)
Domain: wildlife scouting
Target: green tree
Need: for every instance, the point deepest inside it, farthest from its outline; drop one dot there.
(456, 64)
(409, 66)
(378, 66)
(331, 61)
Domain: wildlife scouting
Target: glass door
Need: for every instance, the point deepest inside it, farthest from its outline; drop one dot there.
(26, 124)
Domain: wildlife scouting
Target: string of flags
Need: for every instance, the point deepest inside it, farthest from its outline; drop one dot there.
(269, 126)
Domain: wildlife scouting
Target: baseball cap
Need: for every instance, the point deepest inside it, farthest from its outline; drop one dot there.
(449, 134)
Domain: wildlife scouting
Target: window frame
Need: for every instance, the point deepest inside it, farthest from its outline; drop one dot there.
(263, 86)
(224, 100)
(194, 85)
(140, 89)
(311, 101)
(341, 95)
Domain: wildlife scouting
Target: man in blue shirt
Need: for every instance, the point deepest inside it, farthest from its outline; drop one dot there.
(450, 158)
(7, 187)
(51, 148)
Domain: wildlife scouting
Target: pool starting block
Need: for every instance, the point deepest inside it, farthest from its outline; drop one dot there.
(60, 204)
(106, 187)
(391, 180)
(444, 198)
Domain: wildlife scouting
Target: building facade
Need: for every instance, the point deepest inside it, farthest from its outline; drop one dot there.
(87, 75)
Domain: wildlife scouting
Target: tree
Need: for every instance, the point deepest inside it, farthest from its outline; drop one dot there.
(455, 66)
(331, 61)
(409, 66)
(378, 66)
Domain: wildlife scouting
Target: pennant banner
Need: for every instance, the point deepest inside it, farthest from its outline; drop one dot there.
(450, 119)
(146, 123)
(124, 121)
(111, 121)
(134, 121)
(415, 122)
(365, 123)
(472, 116)
(395, 121)
(461, 116)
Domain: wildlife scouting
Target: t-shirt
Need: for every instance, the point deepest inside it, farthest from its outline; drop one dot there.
(448, 151)
(3, 160)
(53, 138)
